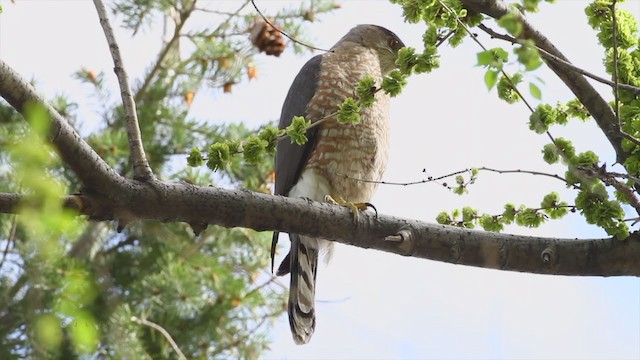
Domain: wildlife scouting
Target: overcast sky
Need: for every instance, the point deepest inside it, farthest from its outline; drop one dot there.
(377, 305)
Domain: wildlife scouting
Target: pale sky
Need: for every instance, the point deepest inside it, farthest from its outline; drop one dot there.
(384, 306)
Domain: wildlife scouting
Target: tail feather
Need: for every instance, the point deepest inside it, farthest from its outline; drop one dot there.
(303, 266)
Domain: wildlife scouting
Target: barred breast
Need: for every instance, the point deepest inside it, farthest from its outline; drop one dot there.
(344, 153)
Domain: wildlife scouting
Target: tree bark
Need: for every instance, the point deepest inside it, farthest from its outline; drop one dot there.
(169, 202)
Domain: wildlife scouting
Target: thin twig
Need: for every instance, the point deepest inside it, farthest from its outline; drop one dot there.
(243, 338)
(572, 208)
(163, 54)
(622, 188)
(10, 239)
(141, 168)
(284, 33)
(615, 63)
(549, 56)
(164, 333)
(624, 176)
(323, 119)
(444, 38)
(435, 179)
(275, 280)
(218, 12)
(530, 172)
(272, 278)
(230, 17)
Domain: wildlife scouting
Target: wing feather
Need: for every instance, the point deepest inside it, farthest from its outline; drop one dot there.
(291, 157)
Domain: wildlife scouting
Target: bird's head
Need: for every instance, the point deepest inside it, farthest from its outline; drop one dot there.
(375, 37)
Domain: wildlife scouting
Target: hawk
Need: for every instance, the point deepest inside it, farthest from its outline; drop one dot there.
(335, 153)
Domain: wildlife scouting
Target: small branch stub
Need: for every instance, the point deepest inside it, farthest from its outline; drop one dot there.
(548, 257)
(198, 227)
(404, 239)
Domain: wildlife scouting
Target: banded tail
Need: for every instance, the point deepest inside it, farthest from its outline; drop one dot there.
(303, 264)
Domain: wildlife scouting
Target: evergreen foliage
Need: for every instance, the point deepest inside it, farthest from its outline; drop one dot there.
(76, 289)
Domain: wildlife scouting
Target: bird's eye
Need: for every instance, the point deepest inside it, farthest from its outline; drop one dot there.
(393, 43)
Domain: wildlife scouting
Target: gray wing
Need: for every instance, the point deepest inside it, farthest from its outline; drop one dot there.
(291, 157)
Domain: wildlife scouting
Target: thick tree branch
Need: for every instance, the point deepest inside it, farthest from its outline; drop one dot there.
(230, 208)
(92, 171)
(598, 107)
(141, 168)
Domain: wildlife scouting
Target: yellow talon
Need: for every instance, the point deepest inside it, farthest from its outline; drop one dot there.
(355, 207)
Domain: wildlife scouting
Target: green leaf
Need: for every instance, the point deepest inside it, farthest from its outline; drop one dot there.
(298, 129)
(493, 58)
(509, 214)
(528, 55)
(48, 331)
(430, 36)
(460, 190)
(565, 148)
(587, 159)
(270, 134)
(253, 149)
(530, 5)
(428, 61)
(393, 83)
(406, 60)
(349, 112)
(550, 154)
(412, 11)
(469, 214)
(490, 223)
(491, 78)
(553, 207)
(365, 91)
(535, 91)
(511, 22)
(595, 206)
(444, 218)
(576, 109)
(506, 88)
(485, 58)
(529, 217)
(218, 156)
(84, 332)
(195, 158)
(543, 117)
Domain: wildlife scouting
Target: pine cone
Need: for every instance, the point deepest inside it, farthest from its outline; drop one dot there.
(267, 39)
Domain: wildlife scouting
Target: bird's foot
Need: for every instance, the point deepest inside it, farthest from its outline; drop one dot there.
(355, 207)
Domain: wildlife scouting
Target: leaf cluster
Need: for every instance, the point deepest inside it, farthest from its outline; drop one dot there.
(551, 207)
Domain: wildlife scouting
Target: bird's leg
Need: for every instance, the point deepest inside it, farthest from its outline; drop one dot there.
(355, 207)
